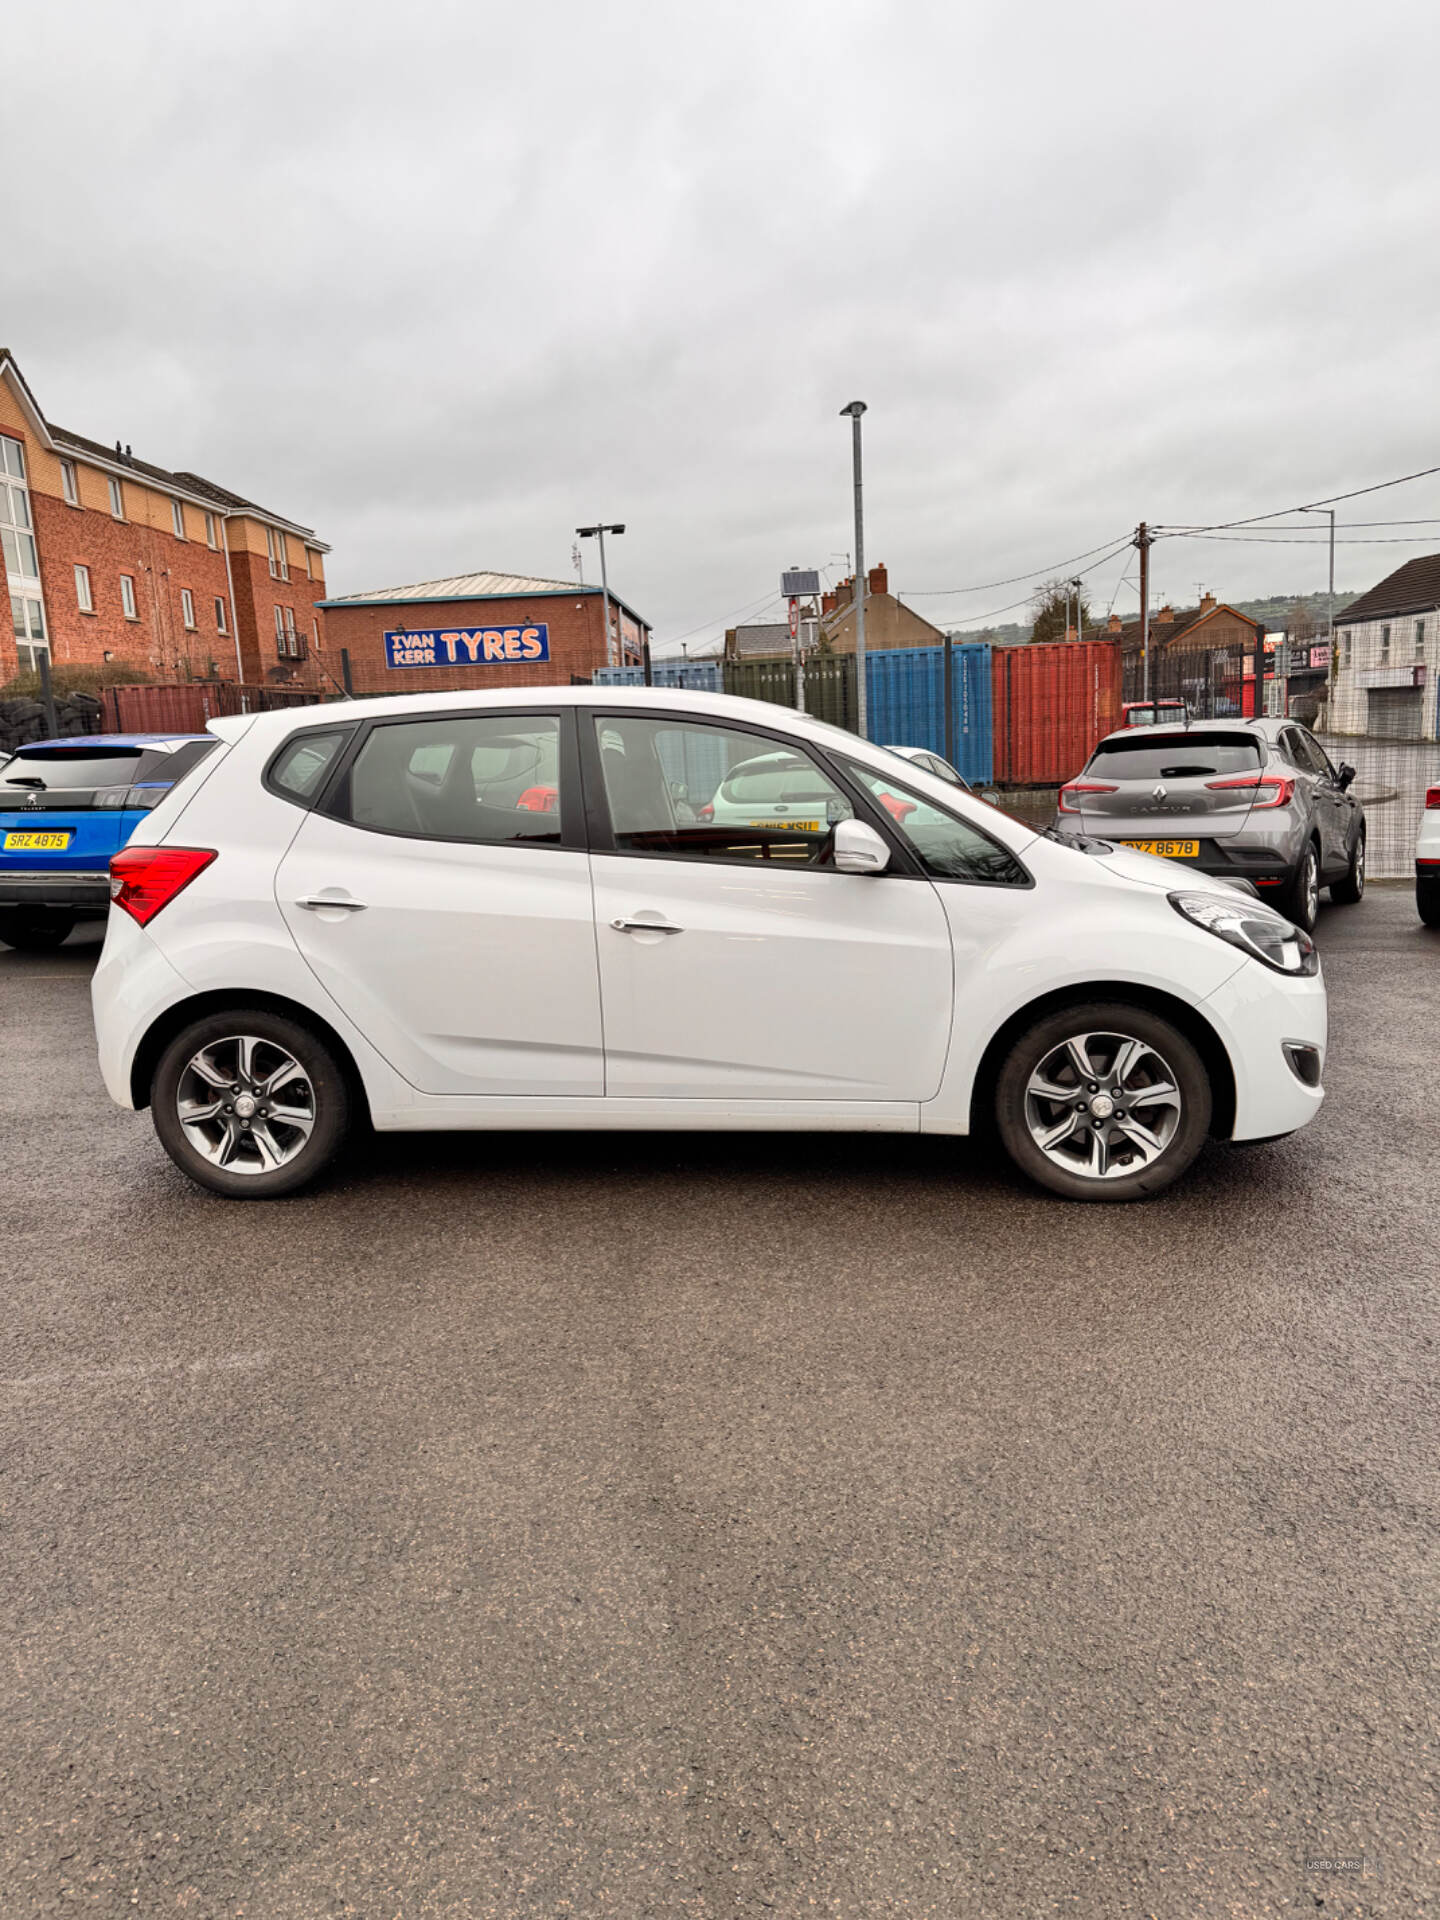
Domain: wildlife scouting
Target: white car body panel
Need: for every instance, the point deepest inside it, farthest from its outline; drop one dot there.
(793, 1000)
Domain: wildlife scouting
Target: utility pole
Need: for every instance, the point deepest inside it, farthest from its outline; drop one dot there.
(855, 409)
(599, 533)
(1330, 627)
(1144, 542)
(1079, 612)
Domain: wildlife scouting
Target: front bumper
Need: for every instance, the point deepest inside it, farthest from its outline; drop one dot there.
(1258, 1014)
(74, 892)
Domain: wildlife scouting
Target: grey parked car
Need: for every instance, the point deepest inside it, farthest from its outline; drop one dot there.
(1253, 800)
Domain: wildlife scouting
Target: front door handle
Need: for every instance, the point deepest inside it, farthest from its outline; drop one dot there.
(645, 926)
(314, 900)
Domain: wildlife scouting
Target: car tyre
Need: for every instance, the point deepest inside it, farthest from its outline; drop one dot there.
(1427, 901)
(1300, 898)
(31, 932)
(1146, 1069)
(250, 1104)
(1350, 891)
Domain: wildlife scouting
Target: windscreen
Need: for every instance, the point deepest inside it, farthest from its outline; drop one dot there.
(1176, 756)
(70, 767)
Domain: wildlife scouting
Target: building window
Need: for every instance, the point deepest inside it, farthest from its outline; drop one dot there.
(210, 539)
(84, 599)
(1345, 648)
(1384, 644)
(1419, 639)
(220, 626)
(117, 500)
(69, 484)
(28, 617)
(177, 519)
(127, 597)
(275, 548)
(16, 535)
(187, 609)
(315, 630)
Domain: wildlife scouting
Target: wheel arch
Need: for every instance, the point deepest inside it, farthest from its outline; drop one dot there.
(1180, 1013)
(200, 1006)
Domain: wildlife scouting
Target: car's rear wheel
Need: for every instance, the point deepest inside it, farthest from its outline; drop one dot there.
(1427, 901)
(33, 931)
(1351, 890)
(1103, 1102)
(1300, 898)
(250, 1104)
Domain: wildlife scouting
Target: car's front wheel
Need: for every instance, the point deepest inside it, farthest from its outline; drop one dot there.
(33, 931)
(1103, 1102)
(1427, 901)
(250, 1104)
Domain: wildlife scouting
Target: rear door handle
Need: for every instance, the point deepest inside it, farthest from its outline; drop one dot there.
(645, 926)
(314, 900)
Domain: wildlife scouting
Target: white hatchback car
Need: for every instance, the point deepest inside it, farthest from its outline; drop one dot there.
(512, 910)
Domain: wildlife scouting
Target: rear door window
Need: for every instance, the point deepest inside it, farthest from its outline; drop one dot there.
(73, 778)
(1176, 756)
(493, 778)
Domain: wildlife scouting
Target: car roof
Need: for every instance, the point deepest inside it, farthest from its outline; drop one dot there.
(1264, 727)
(162, 742)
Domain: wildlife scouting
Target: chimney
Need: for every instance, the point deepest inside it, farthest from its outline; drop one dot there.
(828, 603)
(1164, 617)
(1115, 624)
(1070, 634)
(879, 578)
(1207, 601)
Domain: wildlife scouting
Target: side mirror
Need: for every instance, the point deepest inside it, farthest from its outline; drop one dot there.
(1347, 774)
(859, 848)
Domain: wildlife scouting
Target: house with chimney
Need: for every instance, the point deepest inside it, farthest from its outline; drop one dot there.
(888, 623)
(1205, 653)
(1388, 664)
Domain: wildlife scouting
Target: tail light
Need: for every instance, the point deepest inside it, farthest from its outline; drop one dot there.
(1082, 786)
(1269, 789)
(1432, 797)
(895, 806)
(707, 812)
(539, 800)
(145, 879)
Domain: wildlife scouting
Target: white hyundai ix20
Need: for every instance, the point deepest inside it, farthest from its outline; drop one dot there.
(527, 909)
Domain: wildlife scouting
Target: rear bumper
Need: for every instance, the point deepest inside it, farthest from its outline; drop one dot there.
(75, 892)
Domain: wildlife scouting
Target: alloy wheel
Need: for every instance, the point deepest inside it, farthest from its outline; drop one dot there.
(1102, 1105)
(246, 1104)
(1311, 887)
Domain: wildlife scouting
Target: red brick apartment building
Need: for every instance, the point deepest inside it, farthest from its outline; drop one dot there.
(479, 630)
(110, 559)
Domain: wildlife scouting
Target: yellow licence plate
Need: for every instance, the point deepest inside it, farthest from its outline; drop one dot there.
(793, 826)
(1167, 849)
(36, 842)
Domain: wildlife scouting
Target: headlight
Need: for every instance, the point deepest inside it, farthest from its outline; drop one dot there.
(1254, 929)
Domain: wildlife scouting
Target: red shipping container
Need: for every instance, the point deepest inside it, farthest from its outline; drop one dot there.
(1052, 703)
(187, 708)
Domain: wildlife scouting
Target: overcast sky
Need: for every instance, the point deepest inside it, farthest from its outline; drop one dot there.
(444, 280)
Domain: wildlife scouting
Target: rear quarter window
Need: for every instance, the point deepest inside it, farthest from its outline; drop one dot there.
(1176, 756)
(300, 768)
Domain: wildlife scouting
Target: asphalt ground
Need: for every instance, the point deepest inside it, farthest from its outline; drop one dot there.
(687, 1526)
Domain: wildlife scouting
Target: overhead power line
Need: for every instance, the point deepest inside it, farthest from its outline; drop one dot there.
(1330, 500)
(989, 586)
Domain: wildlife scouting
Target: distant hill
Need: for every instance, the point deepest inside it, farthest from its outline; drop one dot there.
(1279, 612)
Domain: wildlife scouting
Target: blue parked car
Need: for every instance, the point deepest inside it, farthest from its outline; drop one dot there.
(65, 807)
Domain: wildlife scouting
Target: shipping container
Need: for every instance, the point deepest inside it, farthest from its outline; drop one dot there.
(187, 707)
(905, 687)
(1051, 703)
(698, 676)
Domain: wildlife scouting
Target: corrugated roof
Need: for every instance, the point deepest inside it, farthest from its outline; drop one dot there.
(762, 638)
(1410, 589)
(468, 586)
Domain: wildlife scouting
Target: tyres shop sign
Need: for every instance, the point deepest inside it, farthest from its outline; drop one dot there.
(467, 646)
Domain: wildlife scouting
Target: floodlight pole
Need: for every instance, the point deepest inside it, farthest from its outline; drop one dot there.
(598, 533)
(855, 409)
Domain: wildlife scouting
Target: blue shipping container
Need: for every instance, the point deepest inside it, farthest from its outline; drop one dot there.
(699, 676)
(905, 692)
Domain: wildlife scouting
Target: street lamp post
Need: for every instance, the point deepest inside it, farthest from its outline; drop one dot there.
(1079, 612)
(855, 409)
(1330, 625)
(598, 533)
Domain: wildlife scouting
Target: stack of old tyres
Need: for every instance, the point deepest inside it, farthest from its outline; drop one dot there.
(1051, 704)
(23, 720)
